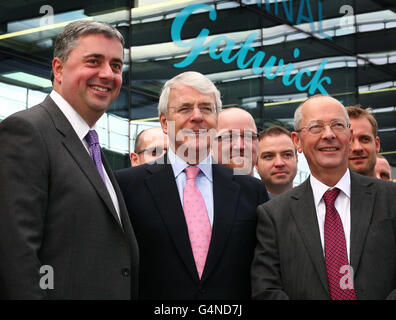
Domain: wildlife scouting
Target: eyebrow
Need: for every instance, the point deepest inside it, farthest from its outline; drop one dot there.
(101, 56)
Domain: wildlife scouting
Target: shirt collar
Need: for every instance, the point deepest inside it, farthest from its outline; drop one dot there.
(77, 122)
(319, 188)
(178, 164)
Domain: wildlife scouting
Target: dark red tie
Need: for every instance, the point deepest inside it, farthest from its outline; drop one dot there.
(335, 250)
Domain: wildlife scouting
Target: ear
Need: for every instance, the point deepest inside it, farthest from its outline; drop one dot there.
(134, 159)
(57, 69)
(296, 140)
(164, 123)
(377, 144)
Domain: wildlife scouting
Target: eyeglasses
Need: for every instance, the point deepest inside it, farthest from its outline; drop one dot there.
(245, 135)
(205, 110)
(317, 127)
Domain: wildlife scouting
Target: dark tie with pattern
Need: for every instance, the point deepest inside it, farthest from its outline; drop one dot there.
(94, 151)
(336, 256)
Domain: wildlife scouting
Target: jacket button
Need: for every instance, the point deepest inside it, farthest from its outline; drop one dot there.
(125, 272)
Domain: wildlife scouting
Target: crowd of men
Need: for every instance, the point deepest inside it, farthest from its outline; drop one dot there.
(188, 219)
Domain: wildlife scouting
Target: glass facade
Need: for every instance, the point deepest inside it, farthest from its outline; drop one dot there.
(265, 56)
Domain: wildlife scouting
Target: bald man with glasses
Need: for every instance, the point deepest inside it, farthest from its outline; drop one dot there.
(333, 236)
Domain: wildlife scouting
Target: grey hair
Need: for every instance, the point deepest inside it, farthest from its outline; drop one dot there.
(192, 79)
(298, 117)
(66, 40)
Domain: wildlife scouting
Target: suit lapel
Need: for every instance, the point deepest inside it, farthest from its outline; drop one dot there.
(162, 185)
(78, 152)
(121, 204)
(225, 197)
(304, 212)
(362, 202)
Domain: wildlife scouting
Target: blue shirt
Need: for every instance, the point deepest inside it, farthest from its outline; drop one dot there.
(204, 179)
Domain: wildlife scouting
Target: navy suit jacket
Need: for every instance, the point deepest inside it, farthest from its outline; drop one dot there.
(167, 269)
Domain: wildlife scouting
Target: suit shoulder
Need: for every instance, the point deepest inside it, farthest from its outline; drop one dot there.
(133, 174)
(35, 117)
(283, 201)
(378, 184)
(240, 178)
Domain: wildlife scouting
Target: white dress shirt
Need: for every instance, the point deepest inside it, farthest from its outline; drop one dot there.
(204, 179)
(342, 204)
(81, 128)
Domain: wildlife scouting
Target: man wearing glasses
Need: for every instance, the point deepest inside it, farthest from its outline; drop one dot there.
(332, 237)
(237, 140)
(195, 220)
(150, 144)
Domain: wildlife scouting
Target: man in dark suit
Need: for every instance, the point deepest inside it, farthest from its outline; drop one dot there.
(65, 231)
(174, 264)
(332, 237)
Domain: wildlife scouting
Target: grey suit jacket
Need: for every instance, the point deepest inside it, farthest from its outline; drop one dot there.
(56, 211)
(289, 260)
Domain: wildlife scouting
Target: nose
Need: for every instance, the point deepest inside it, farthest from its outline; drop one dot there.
(106, 72)
(237, 141)
(328, 133)
(196, 114)
(356, 146)
(279, 161)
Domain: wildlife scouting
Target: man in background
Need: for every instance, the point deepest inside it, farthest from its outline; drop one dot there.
(64, 229)
(277, 160)
(237, 140)
(365, 141)
(150, 144)
(382, 168)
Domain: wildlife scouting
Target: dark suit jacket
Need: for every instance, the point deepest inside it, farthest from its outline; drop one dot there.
(289, 260)
(167, 269)
(56, 211)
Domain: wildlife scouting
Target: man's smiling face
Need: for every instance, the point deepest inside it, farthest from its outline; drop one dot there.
(91, 77)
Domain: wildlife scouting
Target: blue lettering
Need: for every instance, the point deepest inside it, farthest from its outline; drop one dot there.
(316, 81)
(269, 65)
(320, 10)
(288, 13)
(270, 69)
(197, 43)
(245, 48)
(301, 17)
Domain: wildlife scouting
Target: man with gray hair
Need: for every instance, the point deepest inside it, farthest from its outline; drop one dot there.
(65, 232)
(333, 236)
(195, 221)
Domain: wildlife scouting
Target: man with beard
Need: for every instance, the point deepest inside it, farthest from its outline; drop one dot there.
(365, 141)
(195, 221)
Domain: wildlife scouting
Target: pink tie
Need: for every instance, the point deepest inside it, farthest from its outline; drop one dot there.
(199, 229)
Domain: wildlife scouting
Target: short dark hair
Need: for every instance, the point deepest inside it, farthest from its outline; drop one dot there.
(356, 111)
(274, 131)
(66, 39)
(138, 142)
